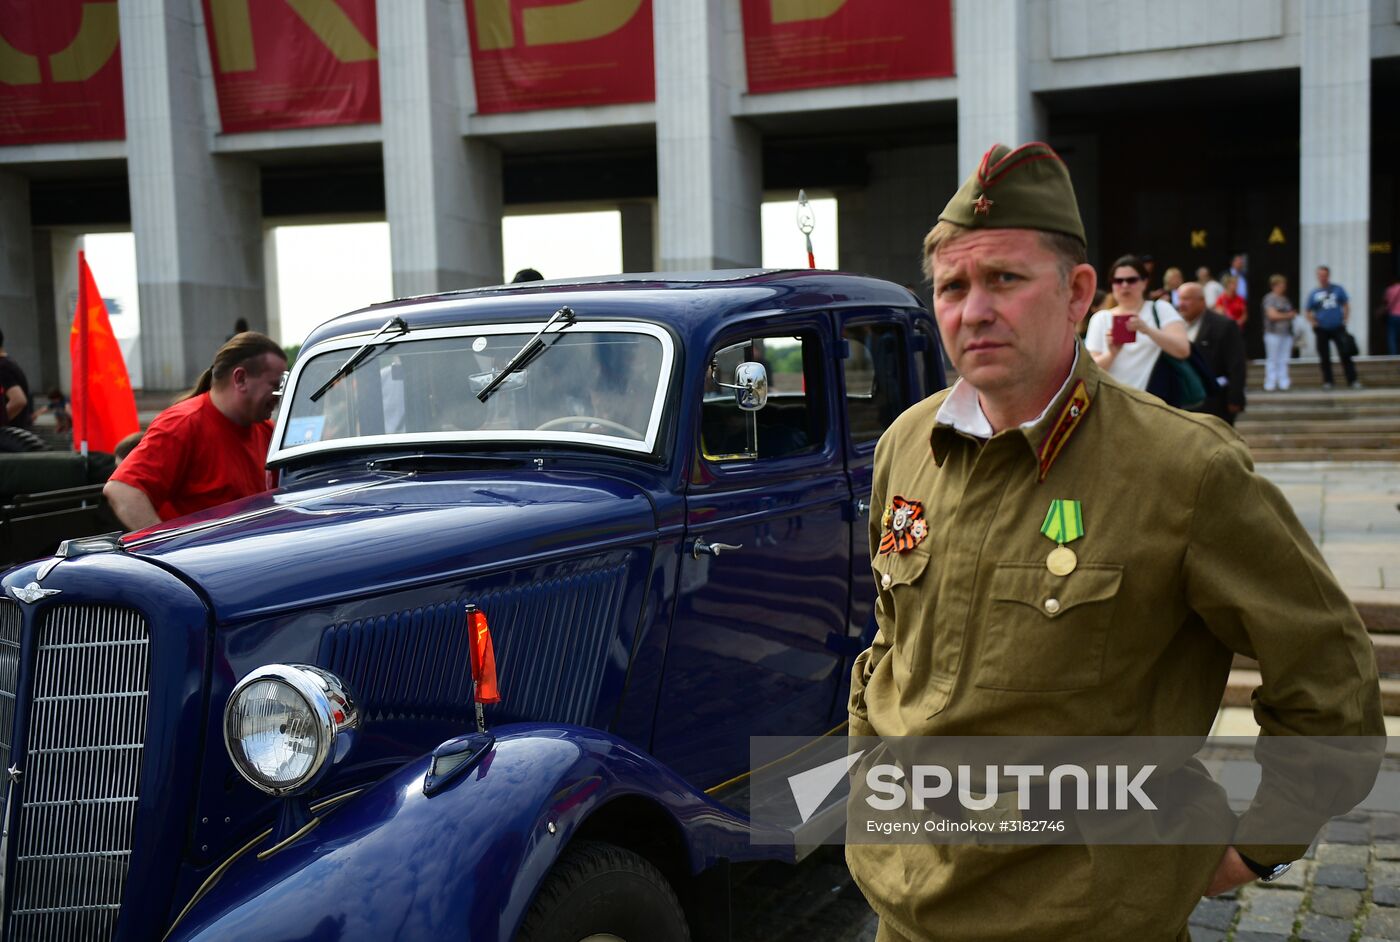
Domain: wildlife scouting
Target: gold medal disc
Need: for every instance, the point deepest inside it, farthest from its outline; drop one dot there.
(1061, 561)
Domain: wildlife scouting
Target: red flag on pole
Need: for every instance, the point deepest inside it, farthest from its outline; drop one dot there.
(104, 409)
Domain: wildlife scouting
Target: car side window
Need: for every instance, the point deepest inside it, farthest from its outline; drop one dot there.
(877, 378)
(793, 422)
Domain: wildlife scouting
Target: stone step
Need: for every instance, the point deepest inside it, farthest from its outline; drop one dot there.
(1272, 426)
(1243, 681)
(1304, 372)
(1342, 437)
(1386, 646)
(1267, 455)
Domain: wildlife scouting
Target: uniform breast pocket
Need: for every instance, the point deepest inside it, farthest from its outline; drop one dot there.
(1047, 632)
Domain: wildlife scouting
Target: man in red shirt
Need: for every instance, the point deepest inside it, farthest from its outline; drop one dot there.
(208, 448)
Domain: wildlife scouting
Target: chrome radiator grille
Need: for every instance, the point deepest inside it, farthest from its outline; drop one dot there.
(82, 761)
(11, 621)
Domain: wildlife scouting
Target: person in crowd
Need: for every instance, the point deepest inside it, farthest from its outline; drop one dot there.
(19, 411)
(986, 627)
(1213, 288)
(1279, 316)
(1149, 265)
(208, 448)
(1239, 266)
(1328, 309)
(1171, 281)
(1222, 345)
(1231, 303)
(1129, 351)
(526, 274)
(1392, 316)
(57, 406)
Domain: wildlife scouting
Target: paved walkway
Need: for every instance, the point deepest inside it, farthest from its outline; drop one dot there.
(1351, 512)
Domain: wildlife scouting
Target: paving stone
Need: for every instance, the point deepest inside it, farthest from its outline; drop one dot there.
(1386, 872)
(1384, 923)
(1346, 832)
(1271, 912)
(1263, 936)
(1385, 827)
(1387, 851)
(1351, 855)
(1386, 895)
(1343, 904)
(1319, 928)
(1351, 878)
(1214, 914)
(1206, 935)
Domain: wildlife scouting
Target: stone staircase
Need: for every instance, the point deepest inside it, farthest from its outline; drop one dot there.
(1309, 423)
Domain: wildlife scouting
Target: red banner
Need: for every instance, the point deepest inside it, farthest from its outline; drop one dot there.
(293, 63)
(529, 54)
(60, 72)
(812, 43)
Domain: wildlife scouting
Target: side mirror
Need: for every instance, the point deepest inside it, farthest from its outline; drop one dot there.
(750, 386)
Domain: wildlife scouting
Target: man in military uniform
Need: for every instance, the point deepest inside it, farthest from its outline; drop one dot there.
(1059, 555)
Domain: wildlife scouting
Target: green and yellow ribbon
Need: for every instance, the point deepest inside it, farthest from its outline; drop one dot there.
(1064, 522)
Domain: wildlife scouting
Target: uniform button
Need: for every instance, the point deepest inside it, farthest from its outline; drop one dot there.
(885, 580)
(1052, 605)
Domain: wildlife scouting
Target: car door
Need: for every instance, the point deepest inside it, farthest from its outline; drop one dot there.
(763, 583)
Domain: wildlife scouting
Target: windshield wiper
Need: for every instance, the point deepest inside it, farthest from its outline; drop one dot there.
(533, 348)
(396, 324)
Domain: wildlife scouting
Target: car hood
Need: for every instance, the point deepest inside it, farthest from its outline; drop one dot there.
(361, 535)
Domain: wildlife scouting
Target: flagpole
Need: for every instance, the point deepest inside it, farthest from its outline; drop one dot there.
(806, 222)
(83, 346)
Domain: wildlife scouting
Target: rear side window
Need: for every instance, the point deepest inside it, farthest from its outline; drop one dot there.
(794, 421)
(877, 378)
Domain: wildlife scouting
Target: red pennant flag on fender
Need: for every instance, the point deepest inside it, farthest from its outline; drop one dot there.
(104, 409)
(483, 658)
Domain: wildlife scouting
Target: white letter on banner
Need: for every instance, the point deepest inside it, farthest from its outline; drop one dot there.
(885, 780)
(1081, 778)
(965, 798)
(922, 791)
(1134, 788)
(1022, 774)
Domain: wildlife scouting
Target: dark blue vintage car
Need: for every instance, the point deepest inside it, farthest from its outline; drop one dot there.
(259, 722)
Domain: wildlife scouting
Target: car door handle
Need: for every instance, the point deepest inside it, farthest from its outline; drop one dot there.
(701, 548)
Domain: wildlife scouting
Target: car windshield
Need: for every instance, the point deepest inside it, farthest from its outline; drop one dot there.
(598, 384)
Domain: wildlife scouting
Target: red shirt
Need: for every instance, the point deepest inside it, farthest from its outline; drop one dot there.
(1232, 305)
(193, 456)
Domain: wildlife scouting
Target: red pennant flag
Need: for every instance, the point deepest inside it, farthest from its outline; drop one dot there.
(104, 409)
(483, 658)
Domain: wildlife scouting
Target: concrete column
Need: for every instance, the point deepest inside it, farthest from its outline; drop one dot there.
(638, 236)
(992, 57)
(443, 194)
(272, 291)
(883, 225)
(53, 339)
(709, 166)
(18, 314)
(63, 247)
(1335, 166)
(196, 217)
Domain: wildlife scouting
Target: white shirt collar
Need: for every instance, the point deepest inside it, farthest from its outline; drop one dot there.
(963, 411)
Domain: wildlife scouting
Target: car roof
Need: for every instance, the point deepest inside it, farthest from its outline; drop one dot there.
(685, 301)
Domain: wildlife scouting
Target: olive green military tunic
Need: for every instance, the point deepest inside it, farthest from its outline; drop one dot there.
(1187, 556)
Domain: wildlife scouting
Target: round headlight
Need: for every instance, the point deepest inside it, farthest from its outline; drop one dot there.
(286, 724)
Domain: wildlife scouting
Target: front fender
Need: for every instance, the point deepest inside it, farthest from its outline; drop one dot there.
(465, 863)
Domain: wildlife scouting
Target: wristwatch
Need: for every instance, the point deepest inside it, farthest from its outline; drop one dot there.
(1265, 873)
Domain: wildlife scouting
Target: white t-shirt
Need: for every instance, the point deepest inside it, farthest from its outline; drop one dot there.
(1133, 366)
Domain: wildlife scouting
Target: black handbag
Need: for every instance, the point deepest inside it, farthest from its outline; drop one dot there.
(1183, 383)
(1347, 344)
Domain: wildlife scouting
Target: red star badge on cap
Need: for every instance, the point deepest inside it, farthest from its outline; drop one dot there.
(983, 206)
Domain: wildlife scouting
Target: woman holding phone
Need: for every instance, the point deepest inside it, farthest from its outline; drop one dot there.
(1127, 338)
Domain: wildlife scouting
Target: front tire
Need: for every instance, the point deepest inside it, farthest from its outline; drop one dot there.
(601, 891)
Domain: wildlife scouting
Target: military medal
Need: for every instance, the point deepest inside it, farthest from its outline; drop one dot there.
(1064, 523)
(904, 526)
